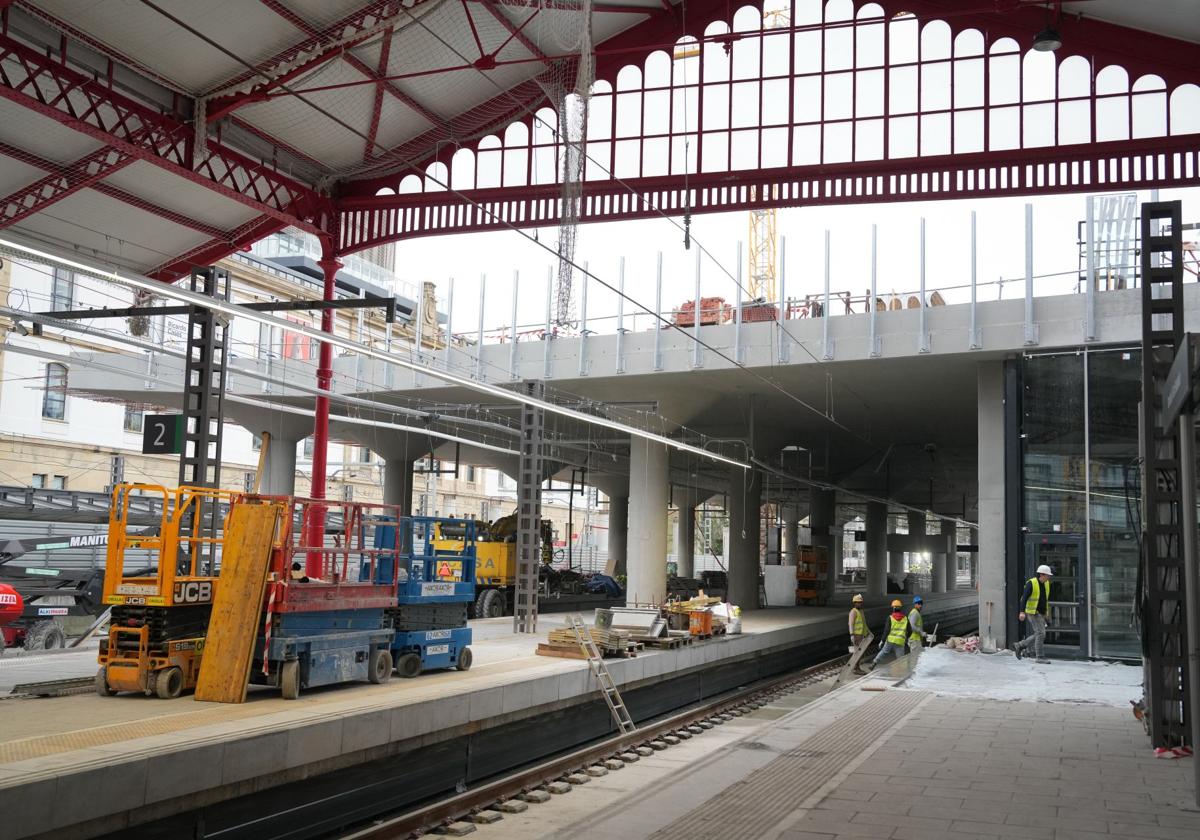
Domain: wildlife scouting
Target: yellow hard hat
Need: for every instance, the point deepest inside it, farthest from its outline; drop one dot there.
(897, 604)
(857, 599)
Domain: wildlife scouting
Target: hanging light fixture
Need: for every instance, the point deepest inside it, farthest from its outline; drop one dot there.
(1048, 40)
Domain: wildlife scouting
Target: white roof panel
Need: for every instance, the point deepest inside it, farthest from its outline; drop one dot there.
(106, 230)
(145, 180)
(250, 31)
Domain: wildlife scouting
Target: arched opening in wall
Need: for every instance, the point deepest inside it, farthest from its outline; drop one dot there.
(598, 166)
(1074, 107)
(462, 169)
(409, 184)
(489, 162)
(437, 177)
(516, 155)
(1149, 107)
(935, 93)
(1004, 94)
(628, 123)
(1185, 110)
(1112, 104)
(968, 79)
(545, 147)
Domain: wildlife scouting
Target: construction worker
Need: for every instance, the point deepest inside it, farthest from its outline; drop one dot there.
(1035, 605)
(858, 627)
(896, 633)
(916, 625)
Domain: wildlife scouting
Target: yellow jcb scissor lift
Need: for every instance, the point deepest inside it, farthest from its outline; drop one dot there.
(160, 616)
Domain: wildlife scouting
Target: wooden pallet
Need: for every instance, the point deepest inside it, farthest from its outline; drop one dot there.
(664, 642)
(573, 651)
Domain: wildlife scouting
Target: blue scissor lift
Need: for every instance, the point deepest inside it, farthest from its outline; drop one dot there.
(434, 589)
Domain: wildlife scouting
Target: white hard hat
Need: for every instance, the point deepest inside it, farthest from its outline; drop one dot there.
(1045, 570)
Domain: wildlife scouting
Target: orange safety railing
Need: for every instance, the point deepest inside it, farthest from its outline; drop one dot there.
(177, 550)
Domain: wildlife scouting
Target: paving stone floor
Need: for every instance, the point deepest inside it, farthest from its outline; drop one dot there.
(966, 769)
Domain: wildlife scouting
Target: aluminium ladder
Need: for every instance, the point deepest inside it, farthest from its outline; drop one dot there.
(600, 671)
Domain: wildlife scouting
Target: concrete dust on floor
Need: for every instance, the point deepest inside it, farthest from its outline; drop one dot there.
(1002, 676)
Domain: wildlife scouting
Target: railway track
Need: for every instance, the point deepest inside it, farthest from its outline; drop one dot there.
(463, 806)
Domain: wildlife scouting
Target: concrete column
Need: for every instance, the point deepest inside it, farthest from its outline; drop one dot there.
(618, 533)
(745, 503)
(877, 553)
(950, 577)
(992, 590)
(398, 483)
(685, 541)
(821, 521)
(791, 534)
(647, 541)
(916, 527)
(279, 470)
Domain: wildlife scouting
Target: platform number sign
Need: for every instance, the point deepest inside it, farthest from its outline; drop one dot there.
(162, 434)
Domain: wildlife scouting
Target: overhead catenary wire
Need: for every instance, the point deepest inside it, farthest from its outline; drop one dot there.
(235, 311)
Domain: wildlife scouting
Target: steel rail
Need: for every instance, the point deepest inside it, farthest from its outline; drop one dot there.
(429, 817)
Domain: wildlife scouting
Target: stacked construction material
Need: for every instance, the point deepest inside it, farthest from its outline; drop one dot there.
(562, 643)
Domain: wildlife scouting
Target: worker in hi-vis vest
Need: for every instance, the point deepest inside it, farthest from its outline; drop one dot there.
(916, 625)
(858, 627)
(1035, 606)
(897, 633)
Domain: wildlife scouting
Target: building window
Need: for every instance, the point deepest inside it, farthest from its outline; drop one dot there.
(62, 290)
(58, 482)
(483, 511)
(54, 397)
(256, 442)
(471, 473)
(308, 447)
(38, 482)
(133, 419)
(364, 455)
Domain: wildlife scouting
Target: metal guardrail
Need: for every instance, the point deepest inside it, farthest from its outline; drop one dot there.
(40, 504)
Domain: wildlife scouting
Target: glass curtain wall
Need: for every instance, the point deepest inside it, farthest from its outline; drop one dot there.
(1079, 430)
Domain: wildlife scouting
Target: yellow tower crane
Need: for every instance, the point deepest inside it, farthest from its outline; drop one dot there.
(763, 241)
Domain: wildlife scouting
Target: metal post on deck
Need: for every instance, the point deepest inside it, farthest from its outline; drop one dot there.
(1089, 285)
(697, 358)
(737, 324)
(417, 333)
(783, 345)
(621, 317)
(923, 337)
(874, 291)
(547, 337)
(658, 360)
(1030, 327)
(827, 345)
(449, 325)
(583, 328)
(973, 342)
(479, 332)
(512, 334)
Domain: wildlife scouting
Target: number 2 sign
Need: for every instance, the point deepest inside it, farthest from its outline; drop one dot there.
(162, 434)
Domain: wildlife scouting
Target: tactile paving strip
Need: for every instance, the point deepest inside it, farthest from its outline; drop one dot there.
(114, 733)
(759, 802)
